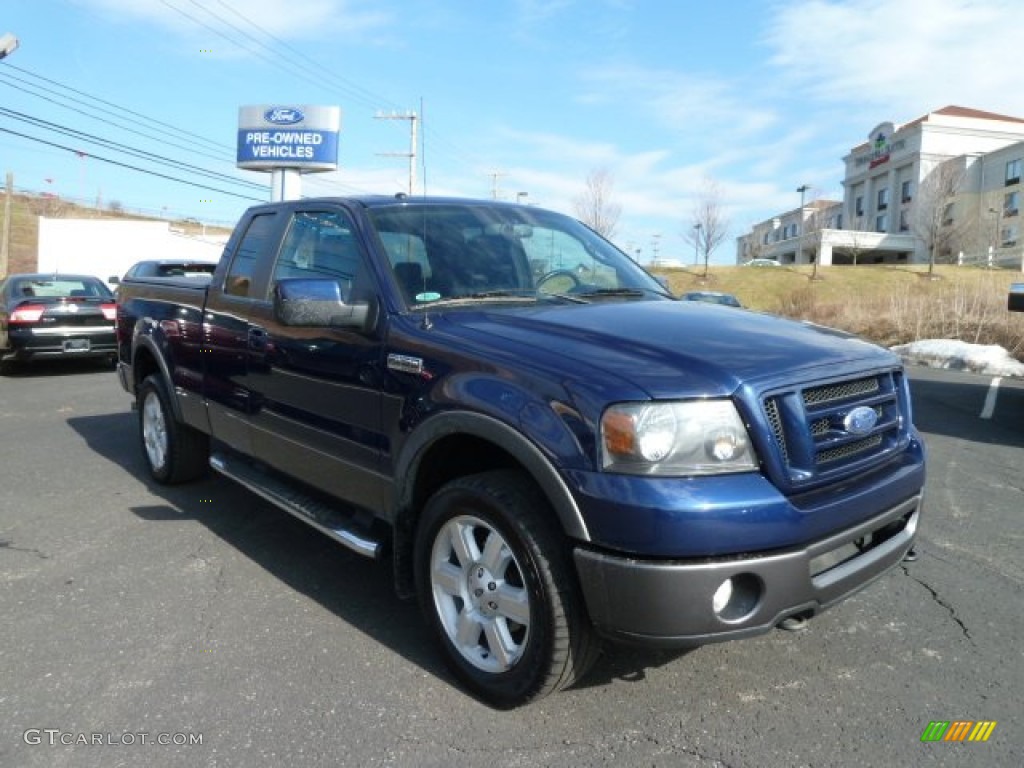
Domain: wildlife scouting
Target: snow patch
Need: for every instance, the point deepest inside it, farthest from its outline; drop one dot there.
(989, 359)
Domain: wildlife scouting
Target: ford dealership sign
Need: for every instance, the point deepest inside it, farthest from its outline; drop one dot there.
(272, 137)
(284, 116)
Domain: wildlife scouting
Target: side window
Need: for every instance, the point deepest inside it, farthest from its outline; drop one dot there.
(322, 244)
(243, 266)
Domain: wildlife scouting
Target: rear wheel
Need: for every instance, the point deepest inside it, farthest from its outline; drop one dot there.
(496, 583)
(175, 452)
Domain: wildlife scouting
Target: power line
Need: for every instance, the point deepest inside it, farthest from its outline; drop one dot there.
(119, 111)
(124, 148)
(131, 167)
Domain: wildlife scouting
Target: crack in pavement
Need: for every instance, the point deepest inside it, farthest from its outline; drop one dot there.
(939, 601)
(5, 544)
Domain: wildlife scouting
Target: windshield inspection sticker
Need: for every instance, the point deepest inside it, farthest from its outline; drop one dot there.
(429, 296)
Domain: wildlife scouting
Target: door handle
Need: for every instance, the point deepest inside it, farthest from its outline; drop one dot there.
(257, 339)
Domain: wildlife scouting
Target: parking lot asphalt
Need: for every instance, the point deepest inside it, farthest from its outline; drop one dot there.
(201, 616)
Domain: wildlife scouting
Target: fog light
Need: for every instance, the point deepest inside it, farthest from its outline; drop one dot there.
(737, 597)
(722, 596)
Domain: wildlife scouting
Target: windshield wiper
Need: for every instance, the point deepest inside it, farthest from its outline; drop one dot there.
(628, 293)
(570, 297)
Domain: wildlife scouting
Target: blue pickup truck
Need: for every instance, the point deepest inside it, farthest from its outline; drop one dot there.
(549, 448)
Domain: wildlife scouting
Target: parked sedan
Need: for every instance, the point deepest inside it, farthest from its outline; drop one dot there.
(45, 316)
(713, 297)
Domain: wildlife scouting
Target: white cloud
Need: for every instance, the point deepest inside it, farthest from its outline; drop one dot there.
(285, 19)
(695, 107)
(913, 56)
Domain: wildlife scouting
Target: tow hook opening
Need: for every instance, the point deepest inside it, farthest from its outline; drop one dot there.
(795, 623)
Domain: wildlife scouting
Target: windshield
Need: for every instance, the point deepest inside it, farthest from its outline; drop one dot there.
(467, 253)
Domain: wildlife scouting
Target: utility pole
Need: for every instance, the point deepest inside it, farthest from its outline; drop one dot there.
(494, 183)
(411, 154)
(5, 238)
(802, 189)
(8, 45)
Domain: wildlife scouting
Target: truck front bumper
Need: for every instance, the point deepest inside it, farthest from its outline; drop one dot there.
(692, 602)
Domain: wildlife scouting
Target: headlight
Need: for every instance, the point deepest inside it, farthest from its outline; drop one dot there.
(700, 437)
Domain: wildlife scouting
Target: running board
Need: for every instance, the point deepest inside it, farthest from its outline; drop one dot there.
(324, 518)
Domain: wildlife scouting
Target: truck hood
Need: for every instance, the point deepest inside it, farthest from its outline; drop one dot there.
(671, 349)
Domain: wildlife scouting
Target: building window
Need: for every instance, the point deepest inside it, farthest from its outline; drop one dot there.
(1010, 203)
(883, 199)
(1009, 236)
(1013, 172)
(905, 196)
(839, 221)
(947, 214)
(882, 223)
(858, 205)
(904, 226)
(766, 237)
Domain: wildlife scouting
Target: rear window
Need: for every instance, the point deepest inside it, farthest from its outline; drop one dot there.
(185, 270)
(61, 287)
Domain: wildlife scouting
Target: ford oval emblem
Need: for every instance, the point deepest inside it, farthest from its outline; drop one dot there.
(283, 116)
(860, 420)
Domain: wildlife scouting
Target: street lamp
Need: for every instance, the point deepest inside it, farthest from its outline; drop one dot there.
(8, 45)
(696, 242)
(995, 234)
(802, 189)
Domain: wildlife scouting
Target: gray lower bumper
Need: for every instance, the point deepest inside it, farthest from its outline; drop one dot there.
(671, 604)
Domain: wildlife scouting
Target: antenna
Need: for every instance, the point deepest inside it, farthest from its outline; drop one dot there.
(423, 146)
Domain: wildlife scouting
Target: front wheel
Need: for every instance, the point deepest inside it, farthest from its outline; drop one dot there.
(175, 452)
(495, 581)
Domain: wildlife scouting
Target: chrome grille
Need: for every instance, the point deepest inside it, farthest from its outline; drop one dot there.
(842, 391)
(771, 409)
(850, 449)
(810, 429)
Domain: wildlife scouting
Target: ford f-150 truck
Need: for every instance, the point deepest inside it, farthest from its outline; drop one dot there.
(549, 448)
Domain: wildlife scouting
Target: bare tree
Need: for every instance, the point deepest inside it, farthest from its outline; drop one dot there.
(856, 239)
(595, 207)
(934, 221)
(708, 226)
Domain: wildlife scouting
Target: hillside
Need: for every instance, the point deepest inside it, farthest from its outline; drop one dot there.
(25, 213)
(887, 304)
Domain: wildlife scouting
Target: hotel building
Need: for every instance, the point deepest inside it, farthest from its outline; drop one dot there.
(949, 181)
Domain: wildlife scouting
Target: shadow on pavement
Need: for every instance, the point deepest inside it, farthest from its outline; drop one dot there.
(357, 590)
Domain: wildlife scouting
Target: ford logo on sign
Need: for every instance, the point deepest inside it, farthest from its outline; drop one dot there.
(860, 420)
(283, 116)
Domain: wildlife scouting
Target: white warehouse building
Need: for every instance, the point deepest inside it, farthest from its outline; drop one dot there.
(948, 182)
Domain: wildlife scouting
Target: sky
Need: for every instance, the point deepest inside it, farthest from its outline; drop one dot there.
(135, 102)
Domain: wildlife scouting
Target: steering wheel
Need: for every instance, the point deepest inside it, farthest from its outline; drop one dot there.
(556, 274)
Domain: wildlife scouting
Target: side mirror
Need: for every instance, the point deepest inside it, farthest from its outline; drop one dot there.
(319, 303)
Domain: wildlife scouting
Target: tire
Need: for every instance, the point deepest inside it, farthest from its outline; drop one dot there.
(174, 452)
(495, 581)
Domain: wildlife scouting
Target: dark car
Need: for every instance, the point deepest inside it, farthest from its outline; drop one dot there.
(46, 316)
(168, 268)
(712, 297)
